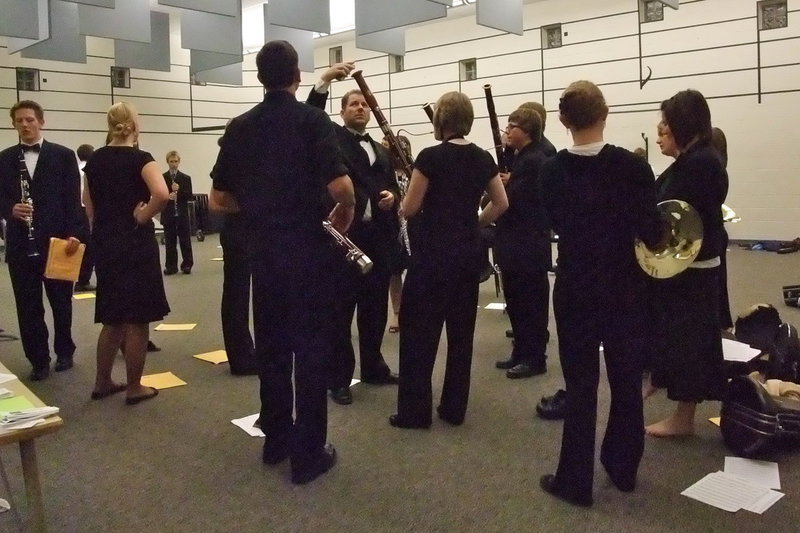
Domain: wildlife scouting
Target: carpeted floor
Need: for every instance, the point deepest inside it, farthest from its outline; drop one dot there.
(177, 464)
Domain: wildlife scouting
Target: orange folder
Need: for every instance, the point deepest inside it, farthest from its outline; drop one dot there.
(59, 264)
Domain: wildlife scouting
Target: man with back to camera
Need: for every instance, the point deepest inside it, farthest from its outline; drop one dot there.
(175, 217)
(275, 163)
(50, 172)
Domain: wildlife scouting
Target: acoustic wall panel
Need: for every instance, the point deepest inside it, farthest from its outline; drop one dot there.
(154, 55)
(65, 42)
(129, 20)
(310, 15)
(448, 3)
(503, 15)
(302, 40)
(389, 42)
(379, 15)
(200, 60)
(25, 19)
(229, 8)
(227, 74)
(212, 33)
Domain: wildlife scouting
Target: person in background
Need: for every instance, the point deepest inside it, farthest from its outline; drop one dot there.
(83, 284)
(720, 144)
(124, 191)
(175, 218)
(50, 172)
(441, 286)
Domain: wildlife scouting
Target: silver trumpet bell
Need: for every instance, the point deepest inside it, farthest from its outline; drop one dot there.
(686, 238)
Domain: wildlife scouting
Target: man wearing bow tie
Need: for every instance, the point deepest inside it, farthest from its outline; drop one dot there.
(374, 230)
(51, 171)
(175, 217)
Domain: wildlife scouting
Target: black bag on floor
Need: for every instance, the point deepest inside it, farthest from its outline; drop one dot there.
(753, 422)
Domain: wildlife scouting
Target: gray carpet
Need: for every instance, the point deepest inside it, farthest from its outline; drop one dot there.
(177, 464)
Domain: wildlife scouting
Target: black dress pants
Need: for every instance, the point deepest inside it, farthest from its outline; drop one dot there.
(580, 331)
(433, 297)
(235, 307)
(177, 230)
(27, 281)
(367, 297)
(292, 308)
(527, 293)
(87, 265)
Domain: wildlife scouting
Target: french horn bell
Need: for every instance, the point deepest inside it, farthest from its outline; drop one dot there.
(685, 240)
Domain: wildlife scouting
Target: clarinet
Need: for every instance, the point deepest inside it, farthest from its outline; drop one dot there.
(25, 190)
(498, 143)
(353, 253)
(394, 144)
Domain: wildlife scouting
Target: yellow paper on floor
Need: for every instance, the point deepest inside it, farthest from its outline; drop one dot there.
(716, 420)
(164, 380)
(175, 327)
(84, 296)
(217, 259)
(216, 357)
(59, 264)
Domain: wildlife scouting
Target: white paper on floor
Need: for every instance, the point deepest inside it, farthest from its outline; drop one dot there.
(246, 424)
(764, 473)
(731, 493)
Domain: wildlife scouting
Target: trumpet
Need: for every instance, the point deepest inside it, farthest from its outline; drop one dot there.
(25, 192)
(353, 253)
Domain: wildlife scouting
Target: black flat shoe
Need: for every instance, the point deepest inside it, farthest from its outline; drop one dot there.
(553, 407)
(505, 364)
(321, 464)
(342, 396)
(623, 483)
(452, 420)
(152, 347)
(524, 370)
(550, 486)
(38, 374)
(276, 450)
(64, 363)
(397, 422)
(169, 271)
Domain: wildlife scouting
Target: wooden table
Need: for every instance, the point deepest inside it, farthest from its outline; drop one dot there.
(27, 450)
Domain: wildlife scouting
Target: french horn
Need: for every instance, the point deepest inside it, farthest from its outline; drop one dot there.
(685, 240)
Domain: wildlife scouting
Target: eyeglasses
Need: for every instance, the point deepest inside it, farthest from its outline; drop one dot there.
(511, 126)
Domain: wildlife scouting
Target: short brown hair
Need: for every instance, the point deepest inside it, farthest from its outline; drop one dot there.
(85, 151)
(453, 114)
(348, 94)
(529, 121)
(173, 153)
(277, 65)
(27, 104)
(582, 105)
(540, 110)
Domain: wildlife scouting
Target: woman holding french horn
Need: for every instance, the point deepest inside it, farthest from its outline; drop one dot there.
(688, 360)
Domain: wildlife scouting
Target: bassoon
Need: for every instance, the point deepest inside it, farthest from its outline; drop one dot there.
(498, 142)
(394, 145)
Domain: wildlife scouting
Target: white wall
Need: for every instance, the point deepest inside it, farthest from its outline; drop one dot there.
(710, 45)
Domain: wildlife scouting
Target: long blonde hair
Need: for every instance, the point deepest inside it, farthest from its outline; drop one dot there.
(121, 120)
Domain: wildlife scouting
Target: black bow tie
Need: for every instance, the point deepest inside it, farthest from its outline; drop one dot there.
(363, 137)
(30, 148)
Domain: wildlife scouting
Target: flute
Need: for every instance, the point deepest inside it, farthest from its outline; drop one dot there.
(394, 145)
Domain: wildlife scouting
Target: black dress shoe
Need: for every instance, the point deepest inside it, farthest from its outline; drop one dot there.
(152, 347)
(397, 422)
(551, 486)
(63, 363)
(318, 466)
(342, 396)
(170, 271)
(38, 374)
(525, 370)
(186, 270)
(84, 287)
(389, 379)
(553, 407)
(450, 419)
(505, 364)
(275, 451)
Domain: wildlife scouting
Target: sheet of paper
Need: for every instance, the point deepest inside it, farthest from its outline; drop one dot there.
(175, 327)
(164, 380)
(725, 492)
(495, 306)
(15, 403)
(5, 393)
(5, 378)
(764, 502)
(764, 473)
(217, 259)
(21, 425)
(738, 351)
(84, 296)
(216, 357)
(246, 424)
(716, 420)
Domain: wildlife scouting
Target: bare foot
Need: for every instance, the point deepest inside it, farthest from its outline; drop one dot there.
(674, 426)
(649, 390)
